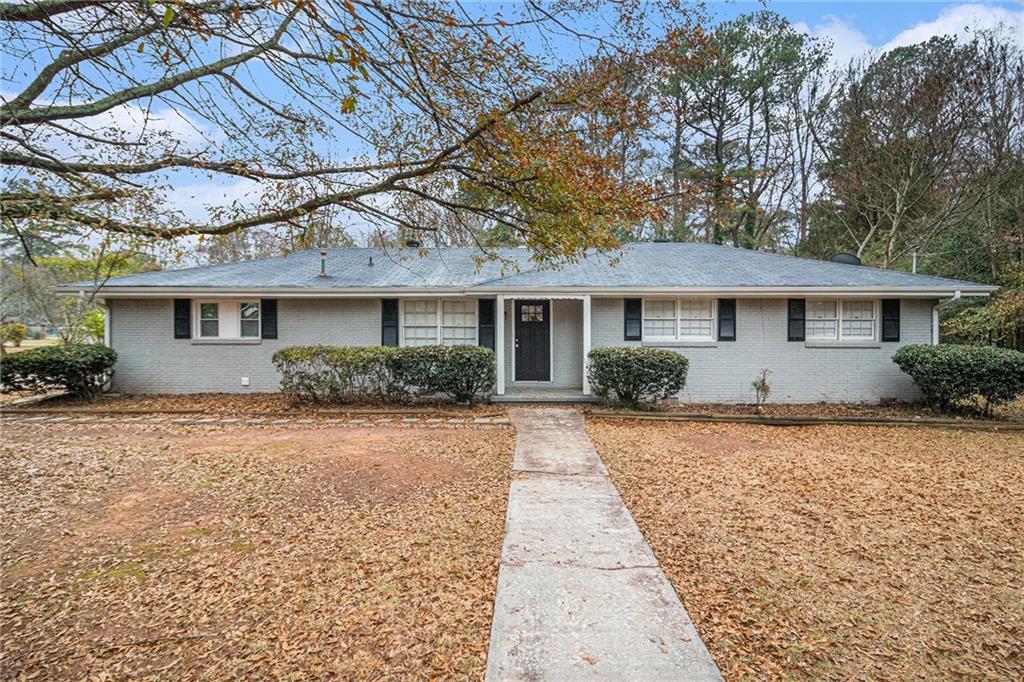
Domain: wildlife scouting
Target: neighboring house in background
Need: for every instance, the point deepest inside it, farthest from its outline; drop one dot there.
(826, 330)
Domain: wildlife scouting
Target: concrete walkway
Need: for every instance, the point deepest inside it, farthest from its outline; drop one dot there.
(580, 594)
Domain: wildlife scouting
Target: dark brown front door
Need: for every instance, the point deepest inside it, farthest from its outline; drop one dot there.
(533, 340)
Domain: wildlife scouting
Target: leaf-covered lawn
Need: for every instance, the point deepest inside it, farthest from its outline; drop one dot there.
(250, 553)
(835, 552)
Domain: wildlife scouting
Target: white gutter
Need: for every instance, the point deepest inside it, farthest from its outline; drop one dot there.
(935, 315)
(399, 292)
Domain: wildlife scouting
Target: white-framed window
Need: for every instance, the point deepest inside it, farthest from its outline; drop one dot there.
(841, 320)
(227, 319)
(659, 318)
(679, 319)
(209, 320)
(451, 322)
(822, 319)
(696, 318)
(458, 322)
(859, 320)
(419, 322)
(249, 319)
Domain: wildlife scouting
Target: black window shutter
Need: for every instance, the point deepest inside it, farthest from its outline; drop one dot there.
(890, 319)
(632, 319)
(727, 319)
(389, 321)
(797, 315)
(268, 318)
(485, 323)
(183, 318)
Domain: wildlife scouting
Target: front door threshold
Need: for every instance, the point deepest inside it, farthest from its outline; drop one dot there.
(544, 395)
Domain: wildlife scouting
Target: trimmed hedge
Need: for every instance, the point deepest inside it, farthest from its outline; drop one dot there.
(340, 373)
(954, 377)
(636, 376)
(79, 369)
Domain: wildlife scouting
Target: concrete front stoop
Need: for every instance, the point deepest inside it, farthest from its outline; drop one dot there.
(580, 593)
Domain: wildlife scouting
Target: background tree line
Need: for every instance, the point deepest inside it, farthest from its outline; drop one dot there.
(744, 133)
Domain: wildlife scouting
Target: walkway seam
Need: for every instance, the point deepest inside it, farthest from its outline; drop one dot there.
(580, 593)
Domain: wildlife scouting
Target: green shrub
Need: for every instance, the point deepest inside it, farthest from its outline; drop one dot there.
(79, 369)
(636, 376)
(339, 373)
(14, 332)
(459, 372)
(954, 378)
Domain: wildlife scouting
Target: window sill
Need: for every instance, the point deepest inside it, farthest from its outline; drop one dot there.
(843, 344)
(679, 344)
(226, 342)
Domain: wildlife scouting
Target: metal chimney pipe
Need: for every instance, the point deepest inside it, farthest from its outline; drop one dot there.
(323, 263)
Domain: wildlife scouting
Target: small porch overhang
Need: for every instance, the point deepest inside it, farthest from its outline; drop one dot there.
(500, 335)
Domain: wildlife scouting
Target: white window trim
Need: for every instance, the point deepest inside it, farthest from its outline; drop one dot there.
(876, 305)
(645, 337)
(236, 309)
(198, 316)
(259, 319)
(439, 325)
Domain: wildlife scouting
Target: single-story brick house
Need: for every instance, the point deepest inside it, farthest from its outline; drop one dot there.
(826, 330)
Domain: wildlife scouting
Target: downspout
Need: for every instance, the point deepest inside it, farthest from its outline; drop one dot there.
(935, 315)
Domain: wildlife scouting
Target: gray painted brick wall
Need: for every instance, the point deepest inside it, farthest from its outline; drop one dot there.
(800, 374)
(150, 360)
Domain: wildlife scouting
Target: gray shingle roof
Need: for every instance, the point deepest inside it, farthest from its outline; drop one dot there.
(640, 265)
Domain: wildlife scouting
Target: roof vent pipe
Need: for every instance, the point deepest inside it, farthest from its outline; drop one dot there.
(323, 263)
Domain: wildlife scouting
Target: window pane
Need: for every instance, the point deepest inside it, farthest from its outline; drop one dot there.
(459, 336)
(208, 311)
(821, 310)
(250, 329)
(821, 329)
(209, 328)
(858, 319)
(660, 328)
(533, 312)
(659, 309)
(420, 313)
(694, 308)
(250, 311)
(858, 310)
(459, 313)
(420, 336)
(858, 329)
(695, 328)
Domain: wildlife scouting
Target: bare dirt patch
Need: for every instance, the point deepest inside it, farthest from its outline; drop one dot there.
(233, 403)
(1012, 411)
(221, 553)
(835, 552)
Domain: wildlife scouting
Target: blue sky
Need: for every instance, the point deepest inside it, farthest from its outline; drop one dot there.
(858, 26)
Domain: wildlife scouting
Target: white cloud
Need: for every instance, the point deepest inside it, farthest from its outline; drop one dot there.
(849, 42)
(962, 21)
